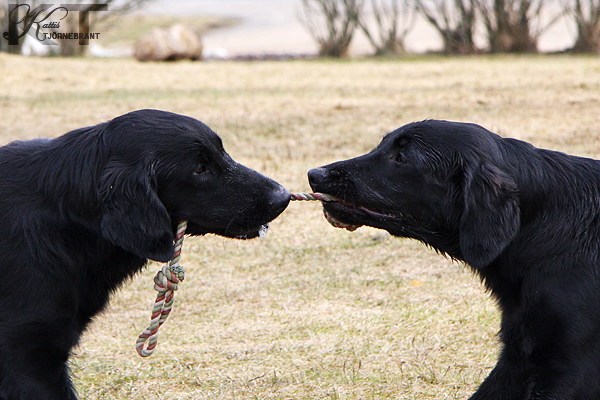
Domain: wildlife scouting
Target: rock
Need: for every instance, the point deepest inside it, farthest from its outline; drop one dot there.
(169, 44)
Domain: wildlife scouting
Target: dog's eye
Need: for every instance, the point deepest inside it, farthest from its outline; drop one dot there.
(399, 158)
(200, 170)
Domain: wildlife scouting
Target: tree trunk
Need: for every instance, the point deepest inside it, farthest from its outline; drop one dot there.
(508, 26)
(588, 27)
(456, 32)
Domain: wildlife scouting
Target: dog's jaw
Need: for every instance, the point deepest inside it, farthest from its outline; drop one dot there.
(339, 224)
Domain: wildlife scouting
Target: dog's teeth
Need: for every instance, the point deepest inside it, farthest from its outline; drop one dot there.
(262, 231)
(338, 224)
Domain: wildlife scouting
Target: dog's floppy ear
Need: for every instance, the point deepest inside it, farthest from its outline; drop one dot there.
(133, 217)
(491, 215)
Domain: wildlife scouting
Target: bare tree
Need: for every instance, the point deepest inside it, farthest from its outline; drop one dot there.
(514, 26)
(393, 20)
(332, 23)
(454, 20)
(586, 14)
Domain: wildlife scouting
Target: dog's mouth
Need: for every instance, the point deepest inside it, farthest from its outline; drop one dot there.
(199, 227)
(348, 215)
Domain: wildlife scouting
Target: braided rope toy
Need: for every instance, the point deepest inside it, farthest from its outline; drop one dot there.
(313, 196)
(165, 283)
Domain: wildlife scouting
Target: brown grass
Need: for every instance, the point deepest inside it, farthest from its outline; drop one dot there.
(310, 312)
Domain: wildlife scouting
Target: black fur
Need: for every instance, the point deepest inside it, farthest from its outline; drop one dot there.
(526, 220)
(81, 213)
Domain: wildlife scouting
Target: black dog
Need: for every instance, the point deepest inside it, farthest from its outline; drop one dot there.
(526, 220)
(81, 213)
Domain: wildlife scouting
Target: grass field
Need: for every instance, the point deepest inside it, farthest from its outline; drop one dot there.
(309, 312)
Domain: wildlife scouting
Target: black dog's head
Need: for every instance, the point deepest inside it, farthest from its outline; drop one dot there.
(436, 181)
(163, 168)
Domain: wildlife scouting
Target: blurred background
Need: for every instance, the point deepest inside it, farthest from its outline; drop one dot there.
(307, 28)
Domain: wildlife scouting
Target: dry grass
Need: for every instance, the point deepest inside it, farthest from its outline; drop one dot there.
(310, 312)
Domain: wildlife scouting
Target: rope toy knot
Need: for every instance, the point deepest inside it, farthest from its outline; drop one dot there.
(166, 282)
(178, 271)
(168, 278)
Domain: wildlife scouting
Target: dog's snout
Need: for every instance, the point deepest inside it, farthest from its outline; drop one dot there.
(279, 200)
(316, 176)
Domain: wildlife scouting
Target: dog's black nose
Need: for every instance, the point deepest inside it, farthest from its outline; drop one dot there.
(316, 176)
(279, 199)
